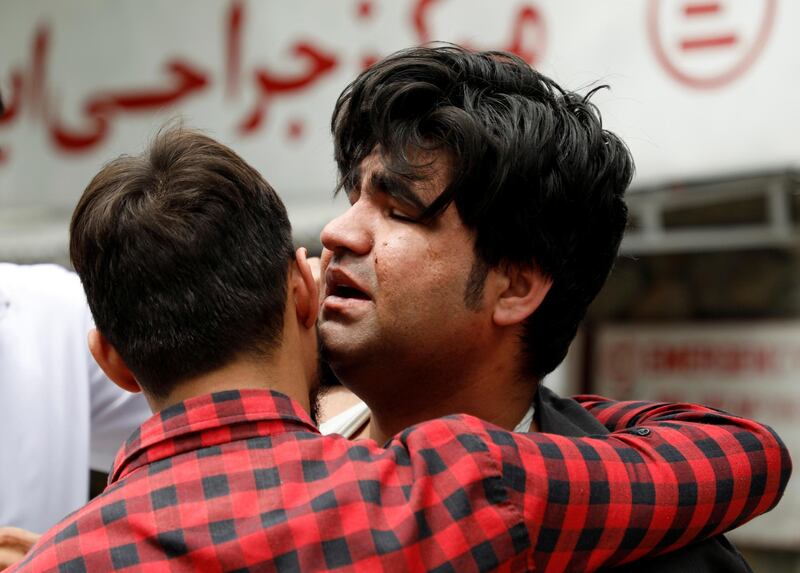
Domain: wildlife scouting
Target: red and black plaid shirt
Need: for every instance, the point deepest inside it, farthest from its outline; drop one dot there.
(242, 481)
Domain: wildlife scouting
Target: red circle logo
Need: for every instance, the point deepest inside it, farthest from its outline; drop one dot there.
(706, 44)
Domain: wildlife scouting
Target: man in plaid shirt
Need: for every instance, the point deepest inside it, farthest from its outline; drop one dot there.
(186, 258)
(486, 212)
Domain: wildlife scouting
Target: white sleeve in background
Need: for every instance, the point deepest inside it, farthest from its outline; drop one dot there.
(50, 393)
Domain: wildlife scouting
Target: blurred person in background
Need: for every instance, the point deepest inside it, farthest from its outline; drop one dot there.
(487, 208)
(59, 414)
(186, 258)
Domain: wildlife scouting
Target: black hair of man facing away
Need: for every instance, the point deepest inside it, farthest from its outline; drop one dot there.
(477, 158)
(210, 244)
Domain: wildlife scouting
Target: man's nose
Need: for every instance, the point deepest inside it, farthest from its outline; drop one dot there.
(349, 232)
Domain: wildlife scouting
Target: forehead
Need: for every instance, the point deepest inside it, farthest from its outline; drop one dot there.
(432, 172)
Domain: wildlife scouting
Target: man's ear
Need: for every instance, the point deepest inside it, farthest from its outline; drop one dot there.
(524, 290)
(111, 362)
(306, 292)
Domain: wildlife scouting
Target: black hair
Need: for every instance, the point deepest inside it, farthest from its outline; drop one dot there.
(533, 171)
(183, 252)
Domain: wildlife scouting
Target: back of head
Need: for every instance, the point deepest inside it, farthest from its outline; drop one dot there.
(534, 173)
(183, 252)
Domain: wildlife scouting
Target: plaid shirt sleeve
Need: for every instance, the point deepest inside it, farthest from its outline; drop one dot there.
(667, 475)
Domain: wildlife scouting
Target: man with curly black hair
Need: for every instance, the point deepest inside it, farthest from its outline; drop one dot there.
(487, 208)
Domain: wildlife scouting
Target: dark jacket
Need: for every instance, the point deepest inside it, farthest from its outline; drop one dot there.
(566, 417)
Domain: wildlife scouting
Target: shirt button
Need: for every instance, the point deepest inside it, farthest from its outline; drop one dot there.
(642, 431)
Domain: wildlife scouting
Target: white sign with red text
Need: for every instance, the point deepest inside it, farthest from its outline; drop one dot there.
(699, 89)
(750, 369)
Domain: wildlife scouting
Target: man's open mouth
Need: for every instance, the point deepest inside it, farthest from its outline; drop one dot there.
(341, 285)
(347, 291)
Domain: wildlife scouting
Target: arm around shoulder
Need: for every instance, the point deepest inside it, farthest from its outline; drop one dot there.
(669, 476)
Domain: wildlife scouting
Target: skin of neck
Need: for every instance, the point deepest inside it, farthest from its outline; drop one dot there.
(251, 372)
(488, 387)
(290, 368)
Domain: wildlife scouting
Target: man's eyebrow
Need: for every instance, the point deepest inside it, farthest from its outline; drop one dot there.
(396, 187)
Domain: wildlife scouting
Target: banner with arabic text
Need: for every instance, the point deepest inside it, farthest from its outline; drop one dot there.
(698, 89)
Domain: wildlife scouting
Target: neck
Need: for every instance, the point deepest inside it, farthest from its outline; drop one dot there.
(490, 389)
(247, 372)
(291, 368)
(384, 425)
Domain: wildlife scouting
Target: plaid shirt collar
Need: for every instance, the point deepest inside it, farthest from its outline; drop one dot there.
(209, 420)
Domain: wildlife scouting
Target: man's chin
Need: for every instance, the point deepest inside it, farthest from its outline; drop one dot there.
(344, 350)
(336, 338)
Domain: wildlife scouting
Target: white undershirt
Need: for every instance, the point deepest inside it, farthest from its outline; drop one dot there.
(351, 420)
(59, 415)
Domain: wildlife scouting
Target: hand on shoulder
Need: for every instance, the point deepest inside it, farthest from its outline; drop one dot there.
(14, 544)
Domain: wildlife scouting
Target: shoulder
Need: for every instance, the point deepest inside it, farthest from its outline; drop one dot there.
(63, 546)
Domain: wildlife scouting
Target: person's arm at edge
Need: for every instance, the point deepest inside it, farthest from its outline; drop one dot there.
(677, 474)
(14, 544)
(753, 436)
